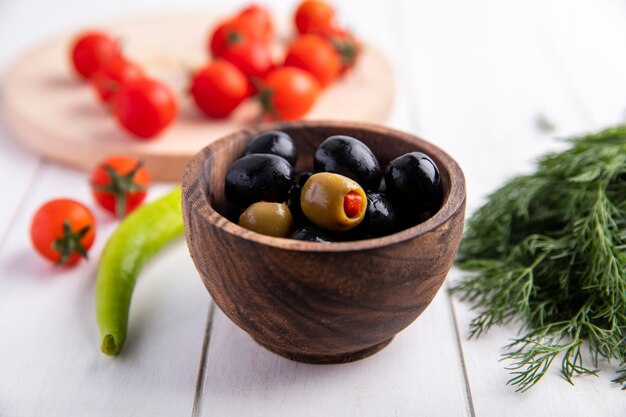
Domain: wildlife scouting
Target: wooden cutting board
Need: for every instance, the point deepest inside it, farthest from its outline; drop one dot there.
(56, 115)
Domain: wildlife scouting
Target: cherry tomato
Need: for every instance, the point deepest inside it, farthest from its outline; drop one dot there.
(314, 16)
(218, 88)
(144, 107)
(120, 184)
(347, 46)
(90, 49)
(316, 55)
(62, 231)
(112, 73)
(236, 30)
(288, 93)
(252, 57)
(260, 17)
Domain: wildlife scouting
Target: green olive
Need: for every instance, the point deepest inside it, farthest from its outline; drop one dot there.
(333, 202)
(272, 219)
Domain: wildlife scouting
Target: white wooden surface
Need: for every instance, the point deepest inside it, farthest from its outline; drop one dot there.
(473, 77)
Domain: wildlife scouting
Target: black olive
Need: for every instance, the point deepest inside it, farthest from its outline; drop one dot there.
(294, 198)
(381, 217)
(312, 234)
(349, 157)
(382, 188)
(413, 181)
(276, 143)
(303, 177)
(259, 177)
(294, 205)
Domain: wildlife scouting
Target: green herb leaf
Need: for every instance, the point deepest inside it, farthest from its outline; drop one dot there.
(549, 249)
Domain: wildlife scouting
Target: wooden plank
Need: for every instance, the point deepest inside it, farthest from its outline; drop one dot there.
(19, 169)
(481, 78)
(483, 72)
(419, 373)
(590, 396)
(50, 344)
(587, 39)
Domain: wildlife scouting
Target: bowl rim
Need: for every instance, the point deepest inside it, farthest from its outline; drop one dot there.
(454, 201)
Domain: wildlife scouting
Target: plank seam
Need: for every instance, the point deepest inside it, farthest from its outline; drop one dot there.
(468, 391)
(560, 66)
(196, 410)
(413, 113)
(404, 75)
(20, 207)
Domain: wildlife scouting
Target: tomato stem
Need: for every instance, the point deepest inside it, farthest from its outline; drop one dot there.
(233, 37)
(347, 50)
(120, 186)
(265, 98)
(69, 243)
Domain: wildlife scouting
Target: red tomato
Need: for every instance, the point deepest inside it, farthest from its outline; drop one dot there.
(62, 231)
(240, 29)
(260, 17)
(288, 93)
(90, 50)
(144, 107)
(108, 79)
(314, 16)
(316, 55)
(252, 57)
(219, 88)
(347, 46)
(120, 184)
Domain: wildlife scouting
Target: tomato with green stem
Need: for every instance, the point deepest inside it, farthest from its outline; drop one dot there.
(218, 88)
(239, 29)
(62, 231)
(144, 107)
(288, 93)
(90, 50)
(346, 44)
(120, 184)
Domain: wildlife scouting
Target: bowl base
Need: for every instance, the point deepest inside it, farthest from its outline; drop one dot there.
(327, 358)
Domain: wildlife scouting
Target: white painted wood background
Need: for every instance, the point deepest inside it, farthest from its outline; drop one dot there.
(473, 77)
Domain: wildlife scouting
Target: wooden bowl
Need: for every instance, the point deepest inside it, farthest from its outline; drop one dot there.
(315, 302)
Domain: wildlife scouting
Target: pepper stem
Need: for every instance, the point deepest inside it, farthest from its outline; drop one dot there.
(109, 346)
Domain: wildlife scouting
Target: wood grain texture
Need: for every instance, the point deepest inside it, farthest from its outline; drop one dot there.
(19, 170)
(49, 110)
(474, 76)
(417, 375)
(313, 302)
(50, 356)
(513, 70)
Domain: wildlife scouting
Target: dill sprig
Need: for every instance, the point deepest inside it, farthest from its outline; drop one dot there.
(549, 251)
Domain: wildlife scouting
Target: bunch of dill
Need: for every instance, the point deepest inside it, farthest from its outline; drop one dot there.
(549, 249)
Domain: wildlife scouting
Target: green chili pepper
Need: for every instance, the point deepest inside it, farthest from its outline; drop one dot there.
(139, 237)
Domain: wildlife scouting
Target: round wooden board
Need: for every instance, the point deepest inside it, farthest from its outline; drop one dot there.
(58, 116)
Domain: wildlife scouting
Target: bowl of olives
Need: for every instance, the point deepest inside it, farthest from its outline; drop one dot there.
(323, 239)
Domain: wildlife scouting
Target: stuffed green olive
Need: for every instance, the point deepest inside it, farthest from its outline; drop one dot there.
(333, 202)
